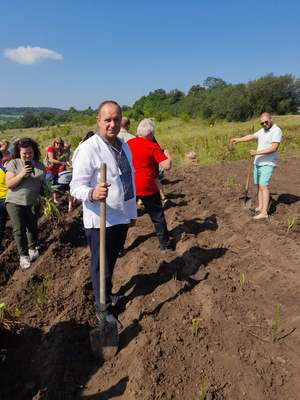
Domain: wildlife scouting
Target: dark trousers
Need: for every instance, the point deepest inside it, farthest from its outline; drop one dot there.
(154, 208)
(3, 219)
(24, 223)
(115, 239)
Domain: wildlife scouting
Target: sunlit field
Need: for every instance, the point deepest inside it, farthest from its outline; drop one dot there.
(210, 143)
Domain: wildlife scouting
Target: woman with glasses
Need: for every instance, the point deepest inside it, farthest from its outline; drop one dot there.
(53, 164)
(24, 179)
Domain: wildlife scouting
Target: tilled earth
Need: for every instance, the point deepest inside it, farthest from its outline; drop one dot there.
(218, 318)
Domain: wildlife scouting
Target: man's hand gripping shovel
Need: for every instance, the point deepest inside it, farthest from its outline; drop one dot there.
(104, 337)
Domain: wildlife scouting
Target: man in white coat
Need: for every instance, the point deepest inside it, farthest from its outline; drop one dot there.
(119, 192)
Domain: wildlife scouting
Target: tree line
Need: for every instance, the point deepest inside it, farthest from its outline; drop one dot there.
(36, 118)
(214, 100)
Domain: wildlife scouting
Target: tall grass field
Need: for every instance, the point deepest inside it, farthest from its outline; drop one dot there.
(209, 143)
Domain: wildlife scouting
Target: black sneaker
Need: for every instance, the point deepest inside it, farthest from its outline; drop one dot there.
(170, 245)
(165, 203)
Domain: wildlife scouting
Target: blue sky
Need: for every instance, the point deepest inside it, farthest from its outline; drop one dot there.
(121, 50)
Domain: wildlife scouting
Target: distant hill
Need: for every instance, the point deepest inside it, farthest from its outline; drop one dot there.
(19, 111)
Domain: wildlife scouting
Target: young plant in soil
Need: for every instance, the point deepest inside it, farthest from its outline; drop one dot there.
(202, 391)
(195, 327)
(49, 208)
(6, 320)
(290, 223)
(41, 292)
(230, 181)
(2, 311)
(242, 278)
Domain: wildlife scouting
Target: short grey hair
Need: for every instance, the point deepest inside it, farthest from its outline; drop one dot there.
(145, 127)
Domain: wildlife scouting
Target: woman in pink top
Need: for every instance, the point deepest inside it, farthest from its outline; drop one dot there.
(52, 163)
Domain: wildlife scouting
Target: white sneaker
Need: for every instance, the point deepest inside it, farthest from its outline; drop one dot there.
(33, 254)
(24, 262)
(261, 216)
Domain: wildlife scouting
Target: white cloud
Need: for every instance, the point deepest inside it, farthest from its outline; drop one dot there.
(31, 55)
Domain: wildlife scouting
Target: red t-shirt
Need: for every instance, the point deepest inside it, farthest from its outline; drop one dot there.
(146, 155)
(55, 167)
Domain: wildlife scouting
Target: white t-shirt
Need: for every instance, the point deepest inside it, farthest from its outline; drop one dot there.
(265, 140)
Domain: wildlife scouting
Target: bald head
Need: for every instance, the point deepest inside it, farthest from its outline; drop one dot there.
(109, 120)
(266, 115)
(108, 103)
(266, 121)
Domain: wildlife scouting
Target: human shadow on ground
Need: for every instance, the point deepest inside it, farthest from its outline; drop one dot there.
(116, 390)
(137, 241)
(187, 226)
(166, 181)
(170, 204)
(54, 365)
(175, 195)
(182, 269)
(283, 198)
(195, 226)
(74, 235)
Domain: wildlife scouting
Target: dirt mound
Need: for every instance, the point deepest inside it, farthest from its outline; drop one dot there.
(216, 319)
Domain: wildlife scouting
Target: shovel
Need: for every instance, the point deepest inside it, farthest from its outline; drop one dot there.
(245, 200)
(105, 337)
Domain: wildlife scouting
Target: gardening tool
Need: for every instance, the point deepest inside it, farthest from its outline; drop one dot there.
(246, 201)
(105, 337)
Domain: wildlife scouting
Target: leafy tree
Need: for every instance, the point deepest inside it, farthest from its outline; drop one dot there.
(214, 83)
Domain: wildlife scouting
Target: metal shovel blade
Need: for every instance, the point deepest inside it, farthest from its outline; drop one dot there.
(246, 202)
(104, 339)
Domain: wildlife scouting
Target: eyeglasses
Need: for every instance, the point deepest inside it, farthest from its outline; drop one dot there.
(264, 123)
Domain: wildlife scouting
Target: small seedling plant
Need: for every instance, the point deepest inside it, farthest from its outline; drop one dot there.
(242, 278)
(290, 223)
(2, 311)
(49, 208)
(42, 292)
(195, 327)
(230, 181)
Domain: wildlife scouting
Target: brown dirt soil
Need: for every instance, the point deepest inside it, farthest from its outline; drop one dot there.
(216, 319)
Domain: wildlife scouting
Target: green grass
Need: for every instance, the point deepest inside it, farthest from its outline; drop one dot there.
(211, 144)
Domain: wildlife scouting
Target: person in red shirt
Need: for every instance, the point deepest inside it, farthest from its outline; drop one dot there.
(6, 156)
(146, 157)
(53, 164)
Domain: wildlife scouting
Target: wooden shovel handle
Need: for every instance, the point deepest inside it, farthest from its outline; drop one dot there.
(248, 174)
(102, 243)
